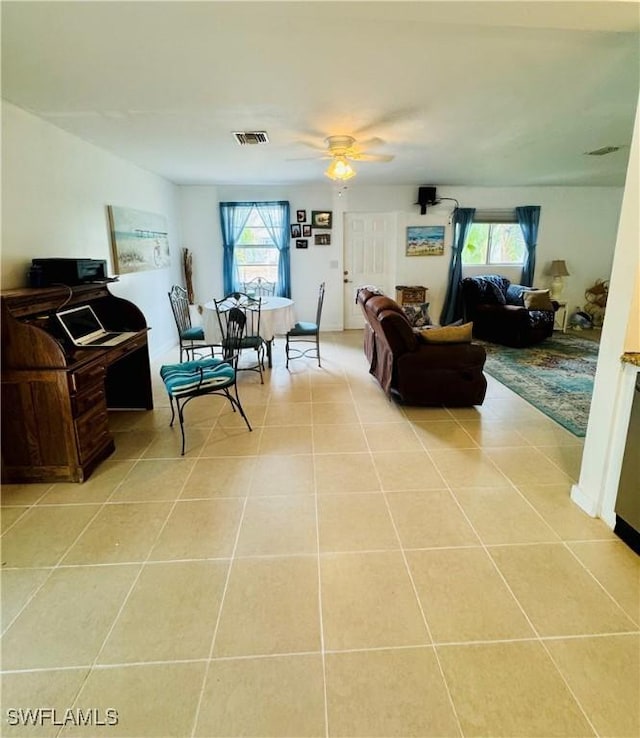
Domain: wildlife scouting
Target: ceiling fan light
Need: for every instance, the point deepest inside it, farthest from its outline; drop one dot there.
(340, 169)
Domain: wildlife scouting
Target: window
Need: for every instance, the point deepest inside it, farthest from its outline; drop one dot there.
(256, 254)
(494, 243)
(255, 243)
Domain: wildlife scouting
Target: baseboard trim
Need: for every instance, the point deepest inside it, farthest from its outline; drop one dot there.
(628, 534)
(583, 501)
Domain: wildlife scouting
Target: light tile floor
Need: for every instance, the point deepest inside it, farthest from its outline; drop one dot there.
(349, 568)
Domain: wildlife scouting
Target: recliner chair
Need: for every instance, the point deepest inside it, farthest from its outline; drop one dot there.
(496, 308)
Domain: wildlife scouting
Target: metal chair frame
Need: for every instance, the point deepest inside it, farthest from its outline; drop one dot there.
(182, 316)
(299, 335)
(259, 287)
(227, 311)
(232, 353)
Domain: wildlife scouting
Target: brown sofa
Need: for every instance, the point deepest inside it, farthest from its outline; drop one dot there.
(413, 372)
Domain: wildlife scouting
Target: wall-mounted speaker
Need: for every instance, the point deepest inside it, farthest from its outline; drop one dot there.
(426, 196)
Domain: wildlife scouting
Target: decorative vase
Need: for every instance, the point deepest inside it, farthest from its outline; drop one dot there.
(187, 263)
(557, 287)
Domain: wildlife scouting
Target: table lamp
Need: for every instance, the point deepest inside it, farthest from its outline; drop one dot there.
(558, 273)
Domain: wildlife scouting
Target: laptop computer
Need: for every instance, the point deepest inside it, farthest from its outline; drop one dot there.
(85, 330)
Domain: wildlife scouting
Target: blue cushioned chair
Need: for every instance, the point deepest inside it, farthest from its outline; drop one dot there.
(210, 376)
(306, 333)
(191, 337)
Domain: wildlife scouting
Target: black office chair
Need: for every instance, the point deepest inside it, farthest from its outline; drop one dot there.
(211, 376)
(306, 333)
(228, 310)
(191, 337)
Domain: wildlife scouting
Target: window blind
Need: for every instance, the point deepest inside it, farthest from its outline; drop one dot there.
(495, 215)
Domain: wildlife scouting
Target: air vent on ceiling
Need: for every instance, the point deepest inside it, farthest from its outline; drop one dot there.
(251, 138)
(603, 151)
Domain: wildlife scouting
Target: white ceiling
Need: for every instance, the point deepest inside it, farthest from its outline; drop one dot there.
(473, 93)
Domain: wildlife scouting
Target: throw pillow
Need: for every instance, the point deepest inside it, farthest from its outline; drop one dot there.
(537, 300)
(418, 314)
(514, 294)
(448, 334)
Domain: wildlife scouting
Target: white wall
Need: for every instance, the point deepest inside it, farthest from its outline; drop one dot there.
(55, 192)
(577, 224)
(201, 233)
(615, 381)
(56, 188)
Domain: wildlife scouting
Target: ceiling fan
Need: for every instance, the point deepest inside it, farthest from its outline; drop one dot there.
(348, 147)
(344, 149)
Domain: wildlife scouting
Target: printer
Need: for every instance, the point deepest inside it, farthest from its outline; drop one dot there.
(48, 272)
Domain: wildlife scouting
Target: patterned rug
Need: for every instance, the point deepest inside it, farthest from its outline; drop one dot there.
(556, 376)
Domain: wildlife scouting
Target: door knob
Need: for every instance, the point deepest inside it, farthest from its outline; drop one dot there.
(346, 271)
(347, 280)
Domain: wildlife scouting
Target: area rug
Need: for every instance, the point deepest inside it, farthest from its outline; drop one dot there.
(556, 376)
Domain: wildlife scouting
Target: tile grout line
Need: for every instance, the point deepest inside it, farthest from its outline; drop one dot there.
(319, 570)
(599, 584)
(564, 542)
(292, 654)
(517, 601)
(559, 540)
(78, 691)
(302, 554)
(520, 606)
(415, 591)
(136, 578)
(235, 557)
(319, 567)
(67, 550)
(214, 635)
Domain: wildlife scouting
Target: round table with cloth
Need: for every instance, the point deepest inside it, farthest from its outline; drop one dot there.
(276, 318)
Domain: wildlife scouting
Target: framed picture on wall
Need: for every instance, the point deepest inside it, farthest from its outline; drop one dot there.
(301, 216)
(306, 230)
(302, 243)
(425, 241)
(322, 239)
(295, 230)
(321, 218)
(139, 240)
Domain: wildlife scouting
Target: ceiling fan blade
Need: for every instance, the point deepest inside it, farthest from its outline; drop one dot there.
(371, 157)
(311, 145)
(310, 158)
(370, 143)
(388, 120)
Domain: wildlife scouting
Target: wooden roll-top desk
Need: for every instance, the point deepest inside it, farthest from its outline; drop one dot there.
(55, 425)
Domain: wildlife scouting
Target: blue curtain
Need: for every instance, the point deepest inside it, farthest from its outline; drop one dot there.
(528, 218)
(233, 217)
(275, 216)
(452, 309)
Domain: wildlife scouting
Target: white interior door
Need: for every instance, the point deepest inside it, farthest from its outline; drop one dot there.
(369, 250)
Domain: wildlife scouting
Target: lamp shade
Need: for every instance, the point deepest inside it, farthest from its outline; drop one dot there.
(340, 169)
(559, 269)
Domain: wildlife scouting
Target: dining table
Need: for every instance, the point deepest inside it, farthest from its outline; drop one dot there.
(276, 318)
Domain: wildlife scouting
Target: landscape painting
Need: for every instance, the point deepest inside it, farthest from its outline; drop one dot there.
(425, 241)
(139, 240)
